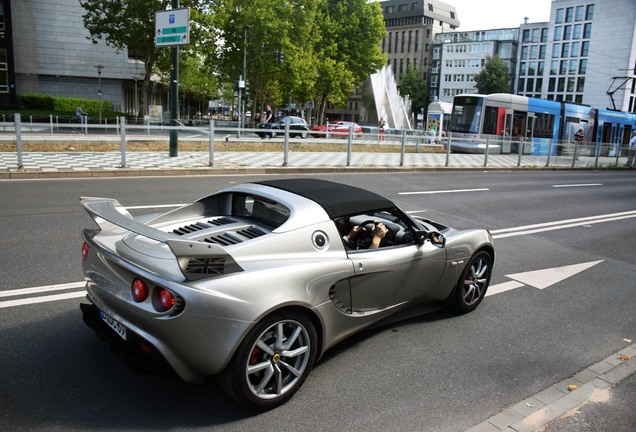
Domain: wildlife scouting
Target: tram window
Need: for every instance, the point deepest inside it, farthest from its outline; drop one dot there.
(490, 120)
(543, 125)
(466, 115)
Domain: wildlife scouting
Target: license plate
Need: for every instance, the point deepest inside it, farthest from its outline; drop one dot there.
(119, 328)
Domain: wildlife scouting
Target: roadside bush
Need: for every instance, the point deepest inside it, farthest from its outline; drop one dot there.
(46, 103)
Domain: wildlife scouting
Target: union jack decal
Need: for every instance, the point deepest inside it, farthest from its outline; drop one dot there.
(206, 266)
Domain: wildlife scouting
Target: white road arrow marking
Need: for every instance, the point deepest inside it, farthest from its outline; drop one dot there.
(540, 279)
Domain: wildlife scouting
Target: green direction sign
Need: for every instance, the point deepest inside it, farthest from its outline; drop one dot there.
(172, 27)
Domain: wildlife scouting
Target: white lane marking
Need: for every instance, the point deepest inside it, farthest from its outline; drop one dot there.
(569, 223)
(42, 289)
(443, 191)
(42, 299)
(577, 185)
(540, 279)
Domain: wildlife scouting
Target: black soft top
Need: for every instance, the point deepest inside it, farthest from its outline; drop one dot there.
(337, 199)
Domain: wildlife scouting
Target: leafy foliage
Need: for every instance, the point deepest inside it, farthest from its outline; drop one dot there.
(413, 85)
(494, 77)
(329, 46)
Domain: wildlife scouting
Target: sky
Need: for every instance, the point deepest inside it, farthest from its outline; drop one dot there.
(491, 14)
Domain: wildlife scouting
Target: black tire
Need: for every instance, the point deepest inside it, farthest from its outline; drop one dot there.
(473, 283)
(272, 134)
(304, 135)
(266, 372)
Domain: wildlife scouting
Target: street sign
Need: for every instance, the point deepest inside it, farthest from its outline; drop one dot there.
(309, 104)
(172, 27)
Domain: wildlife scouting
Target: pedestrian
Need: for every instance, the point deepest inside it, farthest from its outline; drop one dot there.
(80, 114)
(269, 117)
(631, 152)
(381, 126)
(579, 138)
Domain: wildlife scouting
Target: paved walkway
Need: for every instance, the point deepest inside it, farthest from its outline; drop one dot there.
(52, 162)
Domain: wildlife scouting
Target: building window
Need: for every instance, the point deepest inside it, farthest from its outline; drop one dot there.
(583, 66)
(580, 85)
(542, 52)
(577, 31)
(544, 35)
(4, 73)
(587, 31)
(569, 14)
(589, 13)
(585, 48)
(565, 50)
(430, 7)
(574, 52)
(558, 33)
(580, 10)
(526, 36)
(573, 66)
(567, 32)
(556, 50)
(558, 19)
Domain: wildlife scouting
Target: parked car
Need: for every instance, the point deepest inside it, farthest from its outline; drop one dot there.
(255, 282)
(298, 127)
(337, 129)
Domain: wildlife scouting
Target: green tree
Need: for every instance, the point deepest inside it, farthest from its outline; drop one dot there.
(348, 49)
(412, 85)
(129, 24)
(494, 77)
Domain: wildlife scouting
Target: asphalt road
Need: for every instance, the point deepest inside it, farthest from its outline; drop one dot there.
(434, 372)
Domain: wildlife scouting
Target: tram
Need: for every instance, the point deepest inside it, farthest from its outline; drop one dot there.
(506, 123)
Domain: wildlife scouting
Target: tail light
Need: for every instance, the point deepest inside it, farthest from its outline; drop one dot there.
(84, 251)
(139, 290)
(164, 300)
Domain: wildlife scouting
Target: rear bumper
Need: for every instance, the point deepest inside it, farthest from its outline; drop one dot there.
(135, 349)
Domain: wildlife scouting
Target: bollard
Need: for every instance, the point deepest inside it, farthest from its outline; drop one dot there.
(448, 148)
(403, 151)
(51, 122)
(487, 150)
(350, 145)
(286, 146)
(18, 138)
(211, 160)
(122, 124)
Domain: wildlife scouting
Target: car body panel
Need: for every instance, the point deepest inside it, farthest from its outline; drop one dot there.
(229, 266)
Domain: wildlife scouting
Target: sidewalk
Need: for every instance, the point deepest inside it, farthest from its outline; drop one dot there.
(99, 164)
(598, 399)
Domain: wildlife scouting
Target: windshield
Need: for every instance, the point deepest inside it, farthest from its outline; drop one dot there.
(466, 114)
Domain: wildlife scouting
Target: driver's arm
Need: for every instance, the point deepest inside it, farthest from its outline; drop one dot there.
(379, 231)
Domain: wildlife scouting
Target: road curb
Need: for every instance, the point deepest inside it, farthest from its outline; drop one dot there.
(532, 414)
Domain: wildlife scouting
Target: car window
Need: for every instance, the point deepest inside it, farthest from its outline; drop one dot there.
(357, 231)
(259, 209)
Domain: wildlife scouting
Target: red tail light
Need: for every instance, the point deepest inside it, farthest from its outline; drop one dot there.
(165, 300)
(139, 290)
(84, 251)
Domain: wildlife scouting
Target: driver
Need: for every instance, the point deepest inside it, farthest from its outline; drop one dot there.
(378, 232)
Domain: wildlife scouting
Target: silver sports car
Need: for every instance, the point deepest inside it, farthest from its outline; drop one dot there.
(255, 282)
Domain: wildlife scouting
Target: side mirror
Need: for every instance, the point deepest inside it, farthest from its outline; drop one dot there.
(436, 239)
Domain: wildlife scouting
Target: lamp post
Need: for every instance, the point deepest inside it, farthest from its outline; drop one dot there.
(99, 90)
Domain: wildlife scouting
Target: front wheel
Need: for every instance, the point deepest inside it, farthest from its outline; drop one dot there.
(473, 283)
(272, 362)
(304, 135)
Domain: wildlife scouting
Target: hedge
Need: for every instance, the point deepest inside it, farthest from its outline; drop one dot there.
(63, 104)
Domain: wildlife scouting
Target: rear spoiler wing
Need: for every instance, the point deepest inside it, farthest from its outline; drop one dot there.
(197, 260)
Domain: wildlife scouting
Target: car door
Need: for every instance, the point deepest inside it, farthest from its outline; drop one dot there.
(389, 276)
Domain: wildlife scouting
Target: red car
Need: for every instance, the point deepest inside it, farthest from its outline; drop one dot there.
(337, 128)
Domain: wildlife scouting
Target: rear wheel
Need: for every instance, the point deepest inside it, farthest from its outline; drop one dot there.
(272, 362)
(272, 134)
(472, 285)
(304, 135)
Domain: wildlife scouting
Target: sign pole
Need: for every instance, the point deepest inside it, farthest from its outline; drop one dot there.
(174, 95)
(174, 99)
